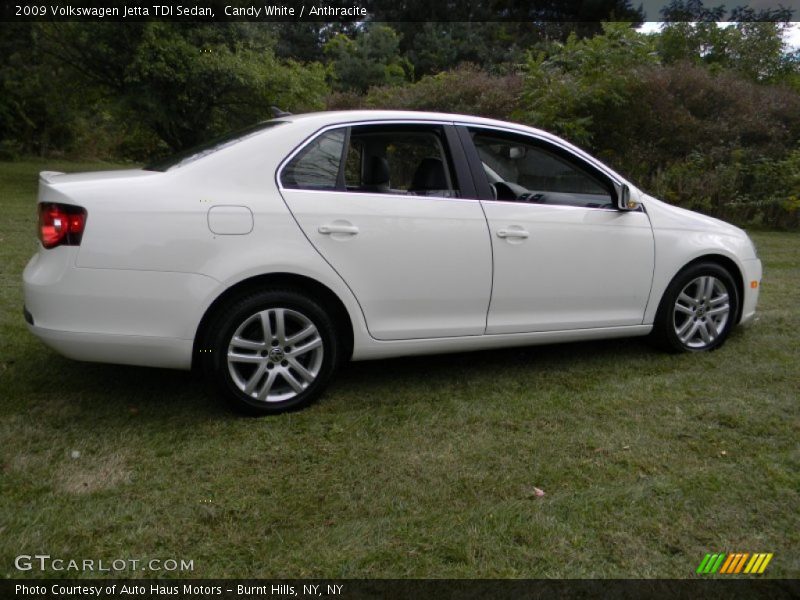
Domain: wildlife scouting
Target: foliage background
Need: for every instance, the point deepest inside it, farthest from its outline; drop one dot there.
(704, 116)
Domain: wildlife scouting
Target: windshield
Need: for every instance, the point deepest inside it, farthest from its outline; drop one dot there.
(192, 154)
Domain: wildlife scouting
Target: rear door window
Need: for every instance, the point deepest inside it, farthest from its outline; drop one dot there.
(381, 159)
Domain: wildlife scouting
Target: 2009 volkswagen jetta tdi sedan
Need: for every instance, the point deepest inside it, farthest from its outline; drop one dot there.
(270, 257)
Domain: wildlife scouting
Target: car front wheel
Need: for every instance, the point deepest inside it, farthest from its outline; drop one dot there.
(272, 352)
(698, 309)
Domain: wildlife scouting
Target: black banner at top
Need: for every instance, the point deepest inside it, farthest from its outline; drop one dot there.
(396, 10)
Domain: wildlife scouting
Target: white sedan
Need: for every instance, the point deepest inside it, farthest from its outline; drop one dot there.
(271, 256)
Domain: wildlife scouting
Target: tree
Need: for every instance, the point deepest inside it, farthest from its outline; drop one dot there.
(586, 82)
(492, 34)
(187, 86)
(305, 41)
(370, 59)
(42, 93)
(145, 85)
(753, 45)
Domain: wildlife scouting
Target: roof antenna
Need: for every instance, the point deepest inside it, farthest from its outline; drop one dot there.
(277, 113)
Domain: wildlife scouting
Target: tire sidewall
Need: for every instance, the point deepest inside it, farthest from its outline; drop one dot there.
(231, 317)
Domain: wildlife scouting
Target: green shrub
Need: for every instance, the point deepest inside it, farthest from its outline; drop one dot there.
(748, 190)
(466, 90)
(708, 139)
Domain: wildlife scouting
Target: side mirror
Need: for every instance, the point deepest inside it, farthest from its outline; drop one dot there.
(624, 200)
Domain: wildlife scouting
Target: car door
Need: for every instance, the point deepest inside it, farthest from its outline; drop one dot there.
(564, 257)
(392, 209)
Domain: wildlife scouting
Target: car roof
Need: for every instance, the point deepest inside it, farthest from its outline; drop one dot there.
(344, 116)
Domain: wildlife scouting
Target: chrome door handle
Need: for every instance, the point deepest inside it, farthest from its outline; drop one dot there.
(329, 229)
(512, 233)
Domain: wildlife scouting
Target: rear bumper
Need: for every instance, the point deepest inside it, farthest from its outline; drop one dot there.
(131, 317)
(144, 351)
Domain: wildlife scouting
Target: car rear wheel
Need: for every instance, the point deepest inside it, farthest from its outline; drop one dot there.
(272, 352)
(698, 309)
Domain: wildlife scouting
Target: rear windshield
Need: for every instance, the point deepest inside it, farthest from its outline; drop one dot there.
(192, 154)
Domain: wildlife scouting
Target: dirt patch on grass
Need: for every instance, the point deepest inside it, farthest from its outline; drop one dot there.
(22, 463)
(93, 474)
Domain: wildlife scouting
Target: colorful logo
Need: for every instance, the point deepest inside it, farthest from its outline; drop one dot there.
(737, 562)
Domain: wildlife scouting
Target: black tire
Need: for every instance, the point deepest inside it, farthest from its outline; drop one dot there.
(670, 319)
(271, 361)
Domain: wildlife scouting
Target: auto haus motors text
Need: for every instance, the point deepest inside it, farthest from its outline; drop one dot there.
(62, 589)
(73, 590)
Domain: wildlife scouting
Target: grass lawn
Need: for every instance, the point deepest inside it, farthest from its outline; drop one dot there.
(421, 467)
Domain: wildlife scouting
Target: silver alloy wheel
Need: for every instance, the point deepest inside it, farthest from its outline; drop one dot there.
(701, 312)
(275, 354)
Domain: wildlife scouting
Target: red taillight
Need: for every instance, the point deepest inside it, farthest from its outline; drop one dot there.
(60, 224)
